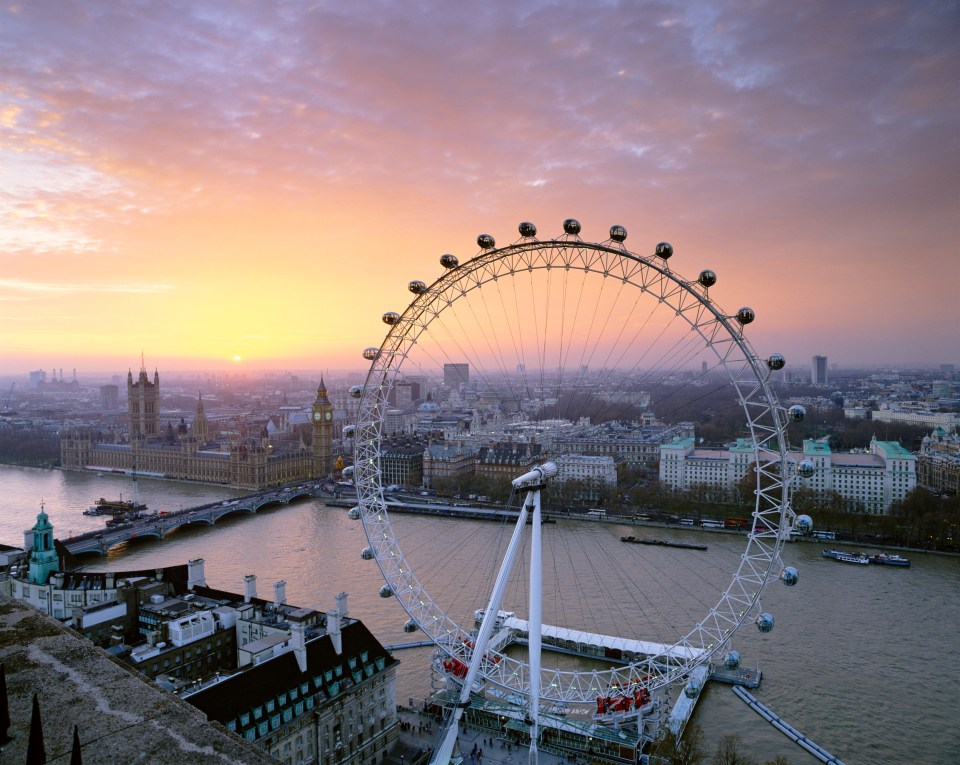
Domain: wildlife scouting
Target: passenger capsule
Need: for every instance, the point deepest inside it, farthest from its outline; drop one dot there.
(776, 361)
(349, 431)
(571, 226)
(664, 250)
(804, 524)
(449, 261)
(347, 472)
(386, 591)
(371, 354)
(618, 233)
(806, 469)
(486, 242)
(707, 278)
(527, 229)
(356, 391)
(789, 576)
(765, 622)
(390, 317)
(411, 626)
(746, 316)
(732, 660)
(354, 514)
(796, 413)
(692, 689)
(367, 553)
(417, 287)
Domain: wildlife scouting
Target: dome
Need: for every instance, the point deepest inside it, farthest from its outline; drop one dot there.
(428, 406)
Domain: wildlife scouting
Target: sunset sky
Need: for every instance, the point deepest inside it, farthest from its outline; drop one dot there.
(208, 180)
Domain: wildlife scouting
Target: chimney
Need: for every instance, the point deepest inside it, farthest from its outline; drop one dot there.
(279, 594)
(195, 576)
(249, 587)
(333, 630)
(111, 580)
(342, 605)
(299, 642)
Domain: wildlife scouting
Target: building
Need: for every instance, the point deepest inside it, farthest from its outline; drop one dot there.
(684, 467)
(590, 469)
(143, 404)
(634, 444)
(920, 417)
(938, 463)
(109, 398)
(246, 462)
(401, 462)
(331, 699)
(869, 481)
(455, 375)
(448, 461)
(818, 370)
(322, 417)
(507, 460)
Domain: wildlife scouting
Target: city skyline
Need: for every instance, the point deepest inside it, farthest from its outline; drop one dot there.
(249, 189)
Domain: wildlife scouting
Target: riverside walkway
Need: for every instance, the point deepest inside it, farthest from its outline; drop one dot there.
(158, 525)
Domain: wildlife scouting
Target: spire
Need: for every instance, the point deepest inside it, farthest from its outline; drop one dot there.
(199, 403)
(5, 737)
(75, 758)
(143, 365)
(36, 754)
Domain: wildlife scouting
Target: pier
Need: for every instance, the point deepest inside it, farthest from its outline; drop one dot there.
(785, 728)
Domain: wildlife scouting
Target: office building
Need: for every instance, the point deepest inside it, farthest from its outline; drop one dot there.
(455, 375)
(818, 370)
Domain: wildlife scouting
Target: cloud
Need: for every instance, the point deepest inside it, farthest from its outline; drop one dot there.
(16, 285)
(790, 134)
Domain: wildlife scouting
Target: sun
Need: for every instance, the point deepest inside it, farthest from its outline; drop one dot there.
(237, 358)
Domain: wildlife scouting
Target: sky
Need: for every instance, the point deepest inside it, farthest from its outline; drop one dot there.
(243, 184)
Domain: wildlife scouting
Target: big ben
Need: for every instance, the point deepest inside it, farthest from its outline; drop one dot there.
(322, 433)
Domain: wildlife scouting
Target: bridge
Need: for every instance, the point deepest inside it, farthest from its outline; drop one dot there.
(160, 524)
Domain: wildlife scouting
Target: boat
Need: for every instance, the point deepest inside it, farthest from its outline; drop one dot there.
(115, 507)
(885, 559)
(846, 557)
(661, 543)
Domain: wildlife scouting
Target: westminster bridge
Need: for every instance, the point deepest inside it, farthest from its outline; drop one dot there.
(158, 525)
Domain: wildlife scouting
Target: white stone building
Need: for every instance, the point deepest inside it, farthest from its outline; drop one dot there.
(580, 467)
(870, 480)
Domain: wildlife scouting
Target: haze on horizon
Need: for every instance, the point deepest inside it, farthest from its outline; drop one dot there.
(200, 182)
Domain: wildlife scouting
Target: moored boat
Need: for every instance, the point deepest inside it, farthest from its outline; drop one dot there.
(120, 506)
(885, 559)
(662, 543)
(846, 557)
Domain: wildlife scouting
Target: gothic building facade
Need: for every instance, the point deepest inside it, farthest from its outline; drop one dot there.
(246, 461)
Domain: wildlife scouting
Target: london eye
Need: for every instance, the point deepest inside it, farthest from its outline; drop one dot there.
(561, 333)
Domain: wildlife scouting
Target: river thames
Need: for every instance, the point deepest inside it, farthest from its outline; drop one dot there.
(863, 659)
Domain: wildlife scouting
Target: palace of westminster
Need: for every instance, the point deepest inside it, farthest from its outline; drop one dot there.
(188, 453)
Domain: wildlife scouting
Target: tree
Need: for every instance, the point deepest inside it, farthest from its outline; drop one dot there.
(728, 752)
(687, 751)
(778, 760)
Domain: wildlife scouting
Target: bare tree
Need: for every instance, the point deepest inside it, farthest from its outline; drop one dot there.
(728, 752)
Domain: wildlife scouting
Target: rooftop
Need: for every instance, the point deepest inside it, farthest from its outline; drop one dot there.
(121, 718)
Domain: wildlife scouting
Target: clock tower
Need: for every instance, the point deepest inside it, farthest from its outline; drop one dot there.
(322, 420)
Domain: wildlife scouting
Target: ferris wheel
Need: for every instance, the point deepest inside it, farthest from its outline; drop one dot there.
(555, 334)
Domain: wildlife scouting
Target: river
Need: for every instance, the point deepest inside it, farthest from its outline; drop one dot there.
(863, 659)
